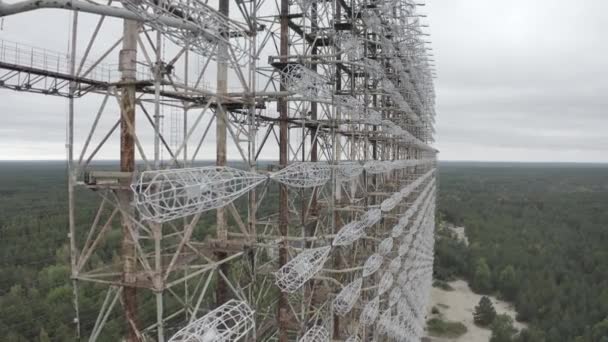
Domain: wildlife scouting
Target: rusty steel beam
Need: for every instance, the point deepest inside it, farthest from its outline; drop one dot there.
(127, 65)
(221, 291)
(283, 306)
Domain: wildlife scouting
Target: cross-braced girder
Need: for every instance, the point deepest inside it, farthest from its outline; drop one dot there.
(277, 175)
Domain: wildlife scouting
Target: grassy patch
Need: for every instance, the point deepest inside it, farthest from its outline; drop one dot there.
(439, 328)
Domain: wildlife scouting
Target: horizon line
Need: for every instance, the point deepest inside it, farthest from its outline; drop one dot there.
(276, 160)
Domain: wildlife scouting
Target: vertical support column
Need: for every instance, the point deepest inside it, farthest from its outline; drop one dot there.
(185, 161)
(252, 132)
(221, 294)
(336, 185)
(283, 307)
(313, 105)
(314, 116)
(70, 172)
(157, 229)
(158, 282)
(185, 112)
(127, 65)
(157, 79)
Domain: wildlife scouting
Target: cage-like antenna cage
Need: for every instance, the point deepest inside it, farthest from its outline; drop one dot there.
(354, 106)
(370, 311)
(316, 333)
(373, 68)
(404, 305)
(419, 200)
(405, 191)
(192, 24)
(349, 233)
(371, 217)
(395, 265)
(348, 170)
(373, 22)
(394, 296)
(303, 81)
(372, 264)
(384, 322)
(404, 247)
(386, 246)
(304, 174)
(386, 282)
(398, 328)
(391, 202)
(373, 117)
(346, 299)
(377, 166)
(300, 269)
(230, 321)
(400, 226)
(351, 46)
(164, 195)
(403, 163)
(388, 49)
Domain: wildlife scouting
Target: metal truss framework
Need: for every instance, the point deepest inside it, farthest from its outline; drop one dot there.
(341, 89)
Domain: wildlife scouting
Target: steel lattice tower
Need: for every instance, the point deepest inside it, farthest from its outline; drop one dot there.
(333, 241)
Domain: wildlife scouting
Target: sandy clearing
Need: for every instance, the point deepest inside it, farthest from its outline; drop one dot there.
(460, 233)
(461, 303)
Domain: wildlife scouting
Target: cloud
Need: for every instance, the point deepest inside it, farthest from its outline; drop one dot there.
(517, 80)
(523, 80)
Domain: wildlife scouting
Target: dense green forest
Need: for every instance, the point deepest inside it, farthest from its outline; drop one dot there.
(538, 233)
(538, 237)
(36, 296)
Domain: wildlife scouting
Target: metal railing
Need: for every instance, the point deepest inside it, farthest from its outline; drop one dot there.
(35, 58)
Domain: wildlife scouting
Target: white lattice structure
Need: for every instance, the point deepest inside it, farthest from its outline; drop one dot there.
(384, 321)
(372, 264)
(395, 265)
(372, 117)
(348, 170)
(386, 283)
(300, 269)
(399, 228)
(353, 338)
(391, 202)
(304, 4)
(349, 233)
(372, 21)
(378, 166)
(231, 321)
(192, 24)
(371, 217)
(325, 110)
(303, 81)
(303, 175)
(394, 296)
(351, 46)
(165, 195)
(405, 191)
(315, 334)
(374, 68)
(346, 299)
(386, 246)
(370, 311)
(405, 245)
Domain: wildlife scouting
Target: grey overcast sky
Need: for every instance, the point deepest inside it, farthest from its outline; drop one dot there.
(518, 80)
(521, 80)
